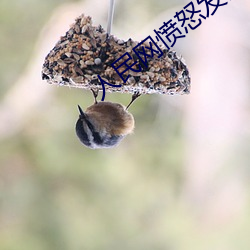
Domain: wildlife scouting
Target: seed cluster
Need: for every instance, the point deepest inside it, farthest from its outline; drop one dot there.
(87, 51)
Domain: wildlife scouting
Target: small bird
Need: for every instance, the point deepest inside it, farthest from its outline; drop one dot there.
(104, 124)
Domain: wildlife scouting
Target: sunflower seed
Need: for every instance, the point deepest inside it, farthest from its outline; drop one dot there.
(85, 46)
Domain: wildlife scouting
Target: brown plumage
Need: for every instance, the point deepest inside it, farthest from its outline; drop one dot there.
(112, 118)
(104, 124)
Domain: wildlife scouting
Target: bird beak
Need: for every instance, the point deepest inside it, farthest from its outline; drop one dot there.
(82, 115)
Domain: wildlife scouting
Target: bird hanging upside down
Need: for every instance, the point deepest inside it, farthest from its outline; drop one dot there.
(104, 124)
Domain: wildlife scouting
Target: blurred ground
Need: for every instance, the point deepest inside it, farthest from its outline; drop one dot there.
(181, 181)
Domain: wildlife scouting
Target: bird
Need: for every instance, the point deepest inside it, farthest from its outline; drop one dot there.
(104, 124)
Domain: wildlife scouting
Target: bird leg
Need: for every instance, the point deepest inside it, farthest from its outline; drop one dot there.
(95, 94)
(134, 97)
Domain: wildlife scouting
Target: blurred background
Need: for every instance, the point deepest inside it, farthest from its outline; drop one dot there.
(180, 182)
